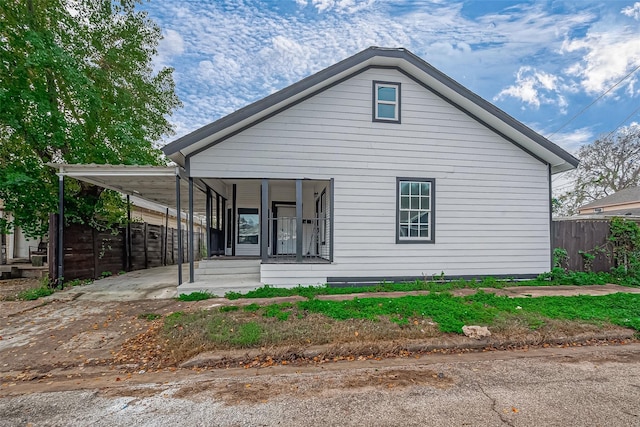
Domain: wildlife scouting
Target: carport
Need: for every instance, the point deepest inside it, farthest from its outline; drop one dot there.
(168, 186)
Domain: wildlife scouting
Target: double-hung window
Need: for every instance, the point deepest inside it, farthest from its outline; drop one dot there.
(386, 102)
(415, 210)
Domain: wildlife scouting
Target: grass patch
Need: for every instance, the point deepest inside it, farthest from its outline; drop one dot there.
(554, 278)
(315, 322)
(196, 296)
(35, 293)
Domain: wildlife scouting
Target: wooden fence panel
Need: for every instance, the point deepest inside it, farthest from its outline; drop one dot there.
(154, 245)
(583, 235)
(89, 253)
(110, 252)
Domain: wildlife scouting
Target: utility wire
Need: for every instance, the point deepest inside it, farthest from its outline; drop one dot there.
(596, 100)
(623, 122)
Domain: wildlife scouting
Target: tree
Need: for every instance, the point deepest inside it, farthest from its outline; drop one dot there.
(76, 86)
(607, 165)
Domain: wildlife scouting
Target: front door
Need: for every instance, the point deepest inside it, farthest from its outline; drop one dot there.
(285, 230)
(248, 234)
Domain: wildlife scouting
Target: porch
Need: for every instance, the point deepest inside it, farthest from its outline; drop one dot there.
(275, 220)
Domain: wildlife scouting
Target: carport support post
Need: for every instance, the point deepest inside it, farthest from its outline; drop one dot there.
(264, 220)
(179, 229)
(191, 232)
(127, 236)
(299, 232)
(60, 278)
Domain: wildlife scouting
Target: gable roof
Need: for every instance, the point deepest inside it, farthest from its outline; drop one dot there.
(627, 195)
(416, 68)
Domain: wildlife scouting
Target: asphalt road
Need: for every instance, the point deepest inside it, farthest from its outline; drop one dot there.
(584, 386)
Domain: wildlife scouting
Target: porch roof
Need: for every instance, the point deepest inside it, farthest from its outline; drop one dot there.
(156, 184)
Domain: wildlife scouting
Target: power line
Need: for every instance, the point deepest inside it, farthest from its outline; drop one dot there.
(623, 122)
(596, 100)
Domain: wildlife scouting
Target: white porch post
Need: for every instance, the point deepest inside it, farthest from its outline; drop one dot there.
(264, 220)
(299, 231)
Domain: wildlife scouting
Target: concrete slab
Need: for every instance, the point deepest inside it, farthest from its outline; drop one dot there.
(153, 283)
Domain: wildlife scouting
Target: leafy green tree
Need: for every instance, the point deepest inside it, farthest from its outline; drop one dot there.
(76, 86)
(607, 165)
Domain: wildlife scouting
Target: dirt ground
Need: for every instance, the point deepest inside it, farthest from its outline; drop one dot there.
(590, 386)
(10, 288)
(78, 362)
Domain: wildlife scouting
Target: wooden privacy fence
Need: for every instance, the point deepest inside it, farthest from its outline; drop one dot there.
(91, 254)
(585, 235)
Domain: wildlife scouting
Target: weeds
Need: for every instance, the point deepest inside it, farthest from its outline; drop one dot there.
(196, 296)
(319, 322)
(35, 293)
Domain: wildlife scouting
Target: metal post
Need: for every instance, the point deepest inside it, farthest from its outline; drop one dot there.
(299, 230)
(179, 229)
(166, 236)
(127, 242)
(191, 232)
(60, 278)
(264, 221)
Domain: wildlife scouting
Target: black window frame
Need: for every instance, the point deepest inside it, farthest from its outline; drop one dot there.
(374, 101)
(432, 211)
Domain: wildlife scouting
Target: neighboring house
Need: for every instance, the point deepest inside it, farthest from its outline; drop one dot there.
(377, 168)
(623, 202)
(15, 246)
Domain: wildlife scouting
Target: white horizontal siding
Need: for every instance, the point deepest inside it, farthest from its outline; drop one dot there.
(492, 201)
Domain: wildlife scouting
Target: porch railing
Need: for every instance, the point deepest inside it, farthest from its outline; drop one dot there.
(316, 239)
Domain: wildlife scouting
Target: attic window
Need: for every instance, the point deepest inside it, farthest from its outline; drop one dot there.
(386, 102)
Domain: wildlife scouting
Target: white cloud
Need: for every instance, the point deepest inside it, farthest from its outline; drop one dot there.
(632, 11)
(608, 56)
(340, 6)
(170, 46)
(535, 87)
(572, 141)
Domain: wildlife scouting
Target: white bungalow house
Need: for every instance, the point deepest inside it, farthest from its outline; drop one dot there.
(377, 168)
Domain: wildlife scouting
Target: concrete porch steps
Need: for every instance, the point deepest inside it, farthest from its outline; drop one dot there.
(222, 275)
(225, 266)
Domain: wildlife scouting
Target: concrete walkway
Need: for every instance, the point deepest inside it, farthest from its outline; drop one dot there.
(152, 283)
(161, 283)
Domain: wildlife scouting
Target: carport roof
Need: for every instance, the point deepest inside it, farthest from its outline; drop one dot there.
(153, 183)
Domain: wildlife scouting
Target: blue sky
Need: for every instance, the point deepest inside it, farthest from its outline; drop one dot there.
(540, 61)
